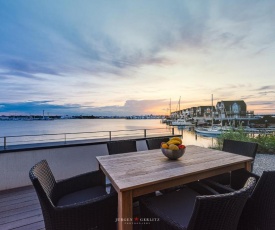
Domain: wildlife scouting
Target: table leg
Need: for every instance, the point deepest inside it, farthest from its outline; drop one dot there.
(248, 166)
(125, 210)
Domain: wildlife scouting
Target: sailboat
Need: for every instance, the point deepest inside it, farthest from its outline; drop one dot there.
(182, 120)
(167, 120)
(213, 130)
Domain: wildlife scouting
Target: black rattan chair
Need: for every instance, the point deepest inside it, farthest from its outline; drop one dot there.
(237, 181)
(259, 211)
(248, 149)
(154, 143)
(186, 209)
(243, 148)
(79, 202)
(123, 146)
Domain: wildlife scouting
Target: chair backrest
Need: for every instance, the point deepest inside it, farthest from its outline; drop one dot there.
(154, 143)
(43, 182)
(248, 149)
(220, 211)
(124, 146)
(259, 210)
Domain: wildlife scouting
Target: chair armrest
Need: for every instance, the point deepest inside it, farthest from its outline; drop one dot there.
(95, 201)
(221, 178)
(202, 188)
(80, 182)
(218, 187)
(239, 178)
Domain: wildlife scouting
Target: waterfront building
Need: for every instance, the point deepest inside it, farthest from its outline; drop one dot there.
(228, 111)
(232, 109)
(205, 111)
(193, 111)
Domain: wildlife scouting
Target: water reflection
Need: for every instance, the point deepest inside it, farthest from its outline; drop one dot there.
(13, 128)
(190, 137)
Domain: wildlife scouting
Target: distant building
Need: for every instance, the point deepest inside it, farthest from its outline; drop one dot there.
(193, 111)
(231, 109)
(223, 110)
(205, 111)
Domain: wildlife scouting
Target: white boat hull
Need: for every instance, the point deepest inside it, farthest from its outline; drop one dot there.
(182, 122)
(209, 131)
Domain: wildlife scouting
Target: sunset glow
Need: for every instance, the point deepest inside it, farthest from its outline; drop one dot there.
(132, 57)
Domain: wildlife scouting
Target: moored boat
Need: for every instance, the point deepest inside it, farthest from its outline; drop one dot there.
(182, 122)
(213, 130)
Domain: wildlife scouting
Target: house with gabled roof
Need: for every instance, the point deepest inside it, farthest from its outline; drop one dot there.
(231, 109)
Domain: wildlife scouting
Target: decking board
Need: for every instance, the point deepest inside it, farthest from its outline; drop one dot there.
(20, 210)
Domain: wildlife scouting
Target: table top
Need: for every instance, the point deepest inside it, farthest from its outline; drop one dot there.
(128, 171)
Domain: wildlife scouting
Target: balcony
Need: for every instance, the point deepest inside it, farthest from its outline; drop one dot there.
(19, 205)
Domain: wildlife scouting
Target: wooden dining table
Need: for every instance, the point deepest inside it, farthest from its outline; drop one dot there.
(137, 173)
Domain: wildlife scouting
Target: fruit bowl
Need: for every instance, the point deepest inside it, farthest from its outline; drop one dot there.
(173, 154)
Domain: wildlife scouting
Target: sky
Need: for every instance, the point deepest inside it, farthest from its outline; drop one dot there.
(130, 57)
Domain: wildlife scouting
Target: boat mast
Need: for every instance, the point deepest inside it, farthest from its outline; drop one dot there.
(212, 110)
(170, 108)
(179, 108)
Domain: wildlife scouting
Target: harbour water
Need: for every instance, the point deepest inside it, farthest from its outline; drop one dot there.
(37, 127)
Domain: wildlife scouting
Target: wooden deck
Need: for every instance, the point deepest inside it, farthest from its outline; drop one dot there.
(20, 210)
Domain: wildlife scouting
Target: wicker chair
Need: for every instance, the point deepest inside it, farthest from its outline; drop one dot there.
(123, 146)
(154, 143)
(248, 149)
(79, 202)
(117, 147)
(186, 209)
(259, 211)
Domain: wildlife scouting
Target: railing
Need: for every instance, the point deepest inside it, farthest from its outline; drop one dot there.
(64, 138)
(264, 131)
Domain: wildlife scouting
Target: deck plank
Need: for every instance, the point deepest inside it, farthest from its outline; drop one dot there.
(16, 200)
(22, 222)
(33, 226)
(20, 205)
(20, 216)
(20, 210)
(16, 191)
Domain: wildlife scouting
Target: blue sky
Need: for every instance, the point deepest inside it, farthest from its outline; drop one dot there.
(130, 57)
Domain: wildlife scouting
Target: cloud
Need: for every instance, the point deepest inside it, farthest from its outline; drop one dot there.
(25, 68)
(262, 103)
(20, 74)
(34, 107)
(131, 107)
(133, 51)
(266, 87)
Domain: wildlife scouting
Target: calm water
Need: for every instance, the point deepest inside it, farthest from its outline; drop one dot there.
(14, 128)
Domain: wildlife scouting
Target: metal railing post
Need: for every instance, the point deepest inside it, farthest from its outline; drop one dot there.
(110, 135)
(144, 132)
(173, 131)
(5, 142)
